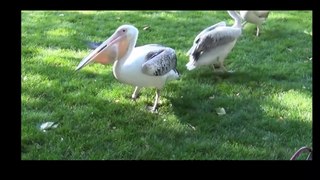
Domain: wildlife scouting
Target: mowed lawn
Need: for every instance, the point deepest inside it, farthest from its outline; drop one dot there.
(267, 100)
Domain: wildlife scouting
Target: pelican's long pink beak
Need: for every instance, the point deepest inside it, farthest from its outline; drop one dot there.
(106, 53)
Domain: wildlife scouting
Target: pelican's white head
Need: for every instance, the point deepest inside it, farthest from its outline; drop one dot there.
(129, 31)
(114, 48)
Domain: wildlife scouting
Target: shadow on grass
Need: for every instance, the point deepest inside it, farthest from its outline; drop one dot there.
(246, 124)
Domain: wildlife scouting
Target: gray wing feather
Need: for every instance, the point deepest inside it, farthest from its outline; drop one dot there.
(211, 28)
(159, 62)
(214, 39)
(198, 37)
(210, 42)
(93, 45)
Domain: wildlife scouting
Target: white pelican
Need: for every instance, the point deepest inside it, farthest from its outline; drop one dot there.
(214, 43)
(255, 17)
(144, 66)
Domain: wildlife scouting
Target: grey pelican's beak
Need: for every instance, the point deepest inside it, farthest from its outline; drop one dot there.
(106, 53)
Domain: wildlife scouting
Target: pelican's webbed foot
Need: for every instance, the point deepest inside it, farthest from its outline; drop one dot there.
(152, 109)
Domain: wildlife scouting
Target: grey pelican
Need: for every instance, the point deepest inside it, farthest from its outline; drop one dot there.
(213, 44)
(254, 17)
(144, 66)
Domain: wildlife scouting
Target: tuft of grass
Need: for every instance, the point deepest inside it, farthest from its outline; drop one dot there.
(268, 100)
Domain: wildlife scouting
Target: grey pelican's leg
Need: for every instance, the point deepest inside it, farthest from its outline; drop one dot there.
(216, 65)
(258, 29)
(135, 94)
(153, 109)
(223, 69)
(243, 24)
(219, 67)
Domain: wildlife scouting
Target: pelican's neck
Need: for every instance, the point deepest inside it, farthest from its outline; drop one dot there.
(131, 45)
(119, 62)
(236, 17)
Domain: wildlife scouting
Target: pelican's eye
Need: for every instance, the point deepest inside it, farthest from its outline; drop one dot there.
(123, 30)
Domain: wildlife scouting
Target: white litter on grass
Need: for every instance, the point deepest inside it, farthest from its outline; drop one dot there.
(220, 111)
(211, 97)
(48, 125)
(309, 33)
(192, 127)
(146, 27)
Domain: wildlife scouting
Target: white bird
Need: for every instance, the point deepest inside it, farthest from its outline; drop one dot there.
(213, 44)
(144, 66)
(254, 17)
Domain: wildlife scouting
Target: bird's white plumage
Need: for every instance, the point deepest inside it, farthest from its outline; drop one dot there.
(144, 66)
(129, 71)
(215, 56)
(203, 32)
(212, 45)
(254, 17)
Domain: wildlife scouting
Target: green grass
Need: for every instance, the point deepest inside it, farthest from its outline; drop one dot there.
(268, 100)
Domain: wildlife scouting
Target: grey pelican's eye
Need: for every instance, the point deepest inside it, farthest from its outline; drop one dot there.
(123, 30)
